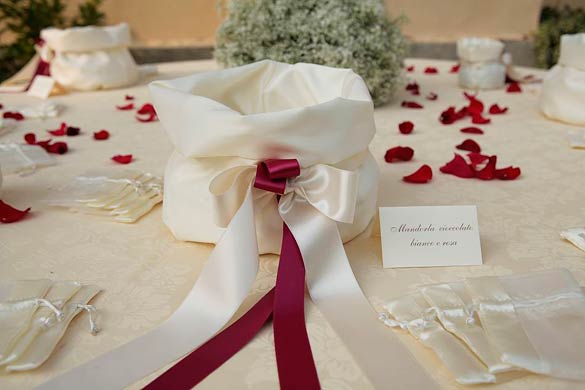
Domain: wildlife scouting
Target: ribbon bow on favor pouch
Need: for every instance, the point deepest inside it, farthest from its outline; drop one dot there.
(310, 201)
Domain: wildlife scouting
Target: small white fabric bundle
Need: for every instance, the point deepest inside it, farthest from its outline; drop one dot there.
(237, 117)
(91, 57)
(563, 90)
(481, 63)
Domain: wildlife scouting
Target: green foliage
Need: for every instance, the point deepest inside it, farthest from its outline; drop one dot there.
(354, 34)
(25, 19)
(554, 23)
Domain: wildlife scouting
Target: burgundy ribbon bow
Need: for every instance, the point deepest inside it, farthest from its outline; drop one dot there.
(284, 303)
(43, 67)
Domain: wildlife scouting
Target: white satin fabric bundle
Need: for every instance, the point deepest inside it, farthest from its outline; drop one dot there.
(34, 315)
(563, 90)
(481, 63)
(221, 124)
(91, 57)
(220, 120)
(533, 322)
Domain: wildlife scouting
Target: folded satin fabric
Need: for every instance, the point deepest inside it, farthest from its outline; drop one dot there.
(481, 63)
(563, 89)
(89, 58)
(235, 117)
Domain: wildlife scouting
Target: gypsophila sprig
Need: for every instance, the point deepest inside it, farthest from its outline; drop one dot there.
(354, 34)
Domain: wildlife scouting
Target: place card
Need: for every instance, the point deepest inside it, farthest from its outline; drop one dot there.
(41, 87)
(430, 236)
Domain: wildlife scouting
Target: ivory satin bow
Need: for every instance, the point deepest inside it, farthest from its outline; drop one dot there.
(310, 206)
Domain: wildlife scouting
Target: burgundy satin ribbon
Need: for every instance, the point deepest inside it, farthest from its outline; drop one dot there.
(43, 67)
(284, 303)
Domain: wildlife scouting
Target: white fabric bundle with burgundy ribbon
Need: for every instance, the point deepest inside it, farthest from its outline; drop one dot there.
(269, 158)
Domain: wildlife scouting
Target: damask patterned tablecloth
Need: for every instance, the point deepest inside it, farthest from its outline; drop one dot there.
(146, 273)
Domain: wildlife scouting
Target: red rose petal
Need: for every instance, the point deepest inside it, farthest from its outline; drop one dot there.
(413, 88)
(150, 118)
(471, 130)
(30, 138)
(146, 113)
(410, 68)
(62, 130)
(489, 171)
(432, 96)
(408, 104)
(431, 70)
(57, 148)
(450, 115)
(9, 214)
(513, 87)
(122, 158)
(469, 145)
(406, 127)
(399, 153)
(101, 135)
(126, 107)
(73, 131)
(477, 159)
(13, 115)
(475, 106)
(458, 167)
(422, 175)
(477, 119)
(455, 68)
(496, 110)
(128, 97)
(509, 173)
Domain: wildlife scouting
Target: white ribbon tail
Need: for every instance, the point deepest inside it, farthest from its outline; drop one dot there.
(335, 291)
(221, 288)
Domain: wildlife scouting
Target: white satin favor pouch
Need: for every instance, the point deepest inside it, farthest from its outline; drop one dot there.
(91, 57)
(46, 341)
(563, 89)
(455, 311)
(551, 309)
(236, 117)
(412, 312)
(44, 317)
(18, 302)
(502, 325)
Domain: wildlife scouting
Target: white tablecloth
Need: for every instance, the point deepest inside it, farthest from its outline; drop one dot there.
(146, 273)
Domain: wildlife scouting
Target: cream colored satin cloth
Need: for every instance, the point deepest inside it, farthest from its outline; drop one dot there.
(563, 90)
(89, 58)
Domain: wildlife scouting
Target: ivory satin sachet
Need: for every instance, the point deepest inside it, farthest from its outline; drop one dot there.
(481, 63)
(89, 58)
(563, 89)
(528, 322)
(34, 316)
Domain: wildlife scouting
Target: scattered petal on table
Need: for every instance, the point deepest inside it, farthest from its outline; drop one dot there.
(399, 153)
(408, 104)
(471, 130)
(126, 107)
(455, 68)
(496, 110)
(406, 127)
(475, 106)
(451, 115)
(122, 158)
(9, 214)
(513, 87)
(470, 146)
(73, 131)
(432, 96)
(458, 167)
(128, 97)
(478, 119)
(61, 131)
(101, 135)
(477, 159)
(509, 173)
(410, 68)
(146, 113)
(13, 115)
(489, 171)
(57, 148)
(431, 70)
(422, 175)
(413, 88)
(30, 138)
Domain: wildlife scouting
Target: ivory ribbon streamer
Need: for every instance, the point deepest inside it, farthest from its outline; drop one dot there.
(312, 203)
